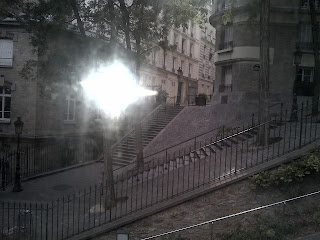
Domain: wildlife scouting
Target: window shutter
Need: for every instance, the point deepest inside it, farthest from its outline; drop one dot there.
(6, 52)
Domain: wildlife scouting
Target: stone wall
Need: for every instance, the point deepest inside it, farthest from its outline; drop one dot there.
(222, 202)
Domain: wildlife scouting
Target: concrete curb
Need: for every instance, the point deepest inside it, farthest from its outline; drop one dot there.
(59, 170)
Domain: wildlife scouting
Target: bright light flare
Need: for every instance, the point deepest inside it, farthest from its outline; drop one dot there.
(113, 88)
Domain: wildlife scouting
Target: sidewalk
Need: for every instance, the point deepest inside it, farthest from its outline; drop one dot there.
(48, 188)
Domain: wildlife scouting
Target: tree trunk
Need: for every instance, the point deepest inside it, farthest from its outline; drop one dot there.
(125, 20)
(108, 168)
(73, 4)
(138, 130)
(113, 32)
(263, 136)
(315, 41)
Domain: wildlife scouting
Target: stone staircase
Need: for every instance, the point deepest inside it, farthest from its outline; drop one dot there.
(124, 151)
(221, 147)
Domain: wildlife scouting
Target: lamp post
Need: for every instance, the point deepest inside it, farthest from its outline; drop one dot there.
(18, 125)
(122, 235)
(179, 86)
(294, 107)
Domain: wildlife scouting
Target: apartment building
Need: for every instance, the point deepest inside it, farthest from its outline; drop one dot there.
(188, 70)
(237, 55)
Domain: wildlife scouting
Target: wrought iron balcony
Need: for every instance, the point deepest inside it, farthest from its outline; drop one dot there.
(226, 45)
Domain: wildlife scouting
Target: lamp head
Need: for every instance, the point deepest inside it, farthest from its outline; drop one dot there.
(18, 126)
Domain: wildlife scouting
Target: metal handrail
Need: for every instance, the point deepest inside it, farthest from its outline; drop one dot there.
(234, 215)
(155, 111)
(210, 131)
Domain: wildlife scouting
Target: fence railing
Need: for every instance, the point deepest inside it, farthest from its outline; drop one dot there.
(211, 135)
(50, 155)
(160, 179)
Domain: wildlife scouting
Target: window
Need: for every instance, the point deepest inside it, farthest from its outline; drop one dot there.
(97, 113)
(304, 84)
(69, 109)
(305, 4)
(182, 65)
(305, 75)
(190, 69)
(164, 60)
(182, 45)
(227, 78)
(173, 63)
(175, 39)
(5, 103)
(173, 83)
(227, 38)
(204, 51)
(153, 80)
(163, 81)
(191, 49)
(6, 52)
(154, 57)
(305, 33)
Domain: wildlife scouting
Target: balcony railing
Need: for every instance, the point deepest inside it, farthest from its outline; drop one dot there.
(305, 4)
(305, 46)
(226, 45)
(225, 88)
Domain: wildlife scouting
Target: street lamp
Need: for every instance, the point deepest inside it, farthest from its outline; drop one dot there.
(294, 107)
(18, 125)
(179, 86)
(122, 235)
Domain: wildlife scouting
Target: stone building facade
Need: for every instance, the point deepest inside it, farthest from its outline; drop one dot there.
(237, 55)
(193, 55)
(44, 114)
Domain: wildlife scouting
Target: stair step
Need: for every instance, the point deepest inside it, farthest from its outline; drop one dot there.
(241, 138)
(203, 151)
(217, 146)
(225, 144)
(233, 141)
(210, 149)
(247, 135)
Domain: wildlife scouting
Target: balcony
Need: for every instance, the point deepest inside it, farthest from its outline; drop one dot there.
(305, 5)
(226, 45)
(307, 46)
(225, 88)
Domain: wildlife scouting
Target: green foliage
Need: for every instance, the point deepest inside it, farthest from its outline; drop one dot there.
(52, 22)
(227, 16)
(264, 228)
(287, 173)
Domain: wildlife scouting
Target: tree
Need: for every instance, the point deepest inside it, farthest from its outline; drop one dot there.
(131, 26)
(263, 136)
(315, 44)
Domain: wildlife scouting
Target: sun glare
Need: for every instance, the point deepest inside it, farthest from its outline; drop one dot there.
(113, 88)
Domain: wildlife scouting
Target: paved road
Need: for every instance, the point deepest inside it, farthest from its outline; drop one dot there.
(56, 185)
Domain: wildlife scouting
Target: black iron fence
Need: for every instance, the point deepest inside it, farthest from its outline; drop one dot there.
(162, 178)
(50, 155)
(276, 109)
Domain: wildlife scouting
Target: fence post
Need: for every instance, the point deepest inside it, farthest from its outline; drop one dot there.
(281, 113)
(252, 120)
(211, 238)
(301, 125)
